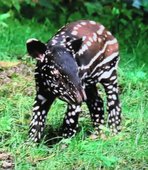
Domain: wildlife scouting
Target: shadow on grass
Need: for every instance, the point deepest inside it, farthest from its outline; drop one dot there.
(54, 136)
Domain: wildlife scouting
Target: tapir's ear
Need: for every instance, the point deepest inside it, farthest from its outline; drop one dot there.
(36, 48)
(75, 44)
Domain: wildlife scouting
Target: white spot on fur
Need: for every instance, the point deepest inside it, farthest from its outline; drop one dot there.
(71, 120)
(36, 108)
(116, 117)
(40, 97)
(78, 109)
(114, 112)
(39, 135)
(88, 43)
(73, 113)
(94, 37)
(74, 33)
(79, 25)
(38, 113)
(98, 109)
(75, 28)
(109, 96)
(67, 121)
(54, 41)
(102, 121)
(92, 22)
(62, 33)
(90, 39)
(100, 31)
(84, 47)
(113, 78)
(83, 38)
(114, 97)
(109, 33)
(35, 102)
(43, 112)
(109, 92)
(99, 39)
(110, 87)
(35, 117)
(83, 23)
(97, 120)
(69, 114)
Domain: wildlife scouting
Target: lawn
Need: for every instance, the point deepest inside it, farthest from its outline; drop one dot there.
(127, 151)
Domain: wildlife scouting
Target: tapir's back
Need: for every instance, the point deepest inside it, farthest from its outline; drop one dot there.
(99, 47)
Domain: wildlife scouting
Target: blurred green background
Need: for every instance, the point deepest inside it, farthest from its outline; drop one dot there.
(23, 19)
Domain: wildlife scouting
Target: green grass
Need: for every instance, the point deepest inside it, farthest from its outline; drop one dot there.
(13, 38)
(127, 151)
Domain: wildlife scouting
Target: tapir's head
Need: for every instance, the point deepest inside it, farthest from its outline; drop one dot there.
(58, 70)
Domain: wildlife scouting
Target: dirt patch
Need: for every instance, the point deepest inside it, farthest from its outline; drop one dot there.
(7, 74)
(6, 161)
(17, 79)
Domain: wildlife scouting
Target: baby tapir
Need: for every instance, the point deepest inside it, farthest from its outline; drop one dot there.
(69, 66)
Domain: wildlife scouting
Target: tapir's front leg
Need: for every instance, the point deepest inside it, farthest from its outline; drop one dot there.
(41, 106)
(70, 123)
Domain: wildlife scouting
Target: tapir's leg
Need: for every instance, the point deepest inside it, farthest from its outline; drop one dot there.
(70, 122)
(95, 105)
(40, 110)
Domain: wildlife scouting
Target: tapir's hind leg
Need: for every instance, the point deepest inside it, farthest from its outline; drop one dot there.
(113, 103)
(95, 105)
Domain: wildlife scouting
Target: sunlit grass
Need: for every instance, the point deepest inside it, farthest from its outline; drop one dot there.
(127, 150)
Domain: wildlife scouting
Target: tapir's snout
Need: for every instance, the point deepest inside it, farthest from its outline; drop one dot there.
(81, 96)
